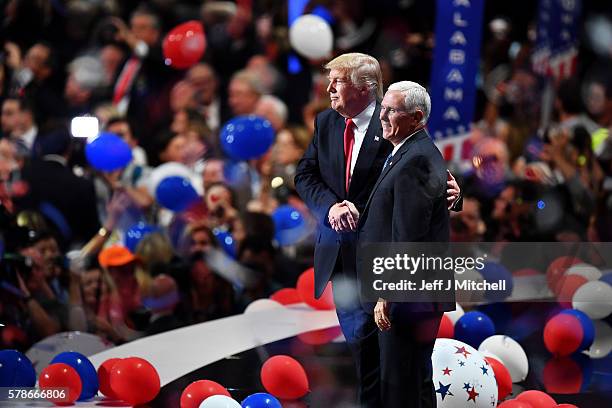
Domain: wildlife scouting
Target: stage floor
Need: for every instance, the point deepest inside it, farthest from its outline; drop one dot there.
(329, 366)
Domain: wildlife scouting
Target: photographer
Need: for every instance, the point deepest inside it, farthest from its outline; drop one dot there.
(32, 289)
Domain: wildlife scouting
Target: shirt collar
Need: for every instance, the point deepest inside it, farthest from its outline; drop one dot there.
(396, 148)
(362, 120)
(29, 136)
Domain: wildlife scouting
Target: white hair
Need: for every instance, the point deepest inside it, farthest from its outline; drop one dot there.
(415, 97)
(279, 107)
(88, 72)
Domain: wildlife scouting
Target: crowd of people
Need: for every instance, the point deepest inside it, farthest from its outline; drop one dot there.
(63, 59)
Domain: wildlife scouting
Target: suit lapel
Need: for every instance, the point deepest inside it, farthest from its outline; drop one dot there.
(337, 131)
(396, 160)
(372, 142)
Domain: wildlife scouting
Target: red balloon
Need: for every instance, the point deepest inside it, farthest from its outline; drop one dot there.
(305, 287)
(514, 404)
(563, 335)
(198, 391)
(526, 272)
(13, 336)
(562, 376)
(502, 377)
(537, 399)
(286, 296)
(566, 287)
(447, 328)
(61, 375)
(557, 269)
(284, 377)
(104, 372)
(319, 337)
(184, 45)
(134, 380)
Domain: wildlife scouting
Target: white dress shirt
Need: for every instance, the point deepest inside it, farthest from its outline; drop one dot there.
(29, 137)
(396, 148)
(361, 121)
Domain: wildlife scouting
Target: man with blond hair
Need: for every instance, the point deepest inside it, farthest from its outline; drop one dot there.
(334, 178)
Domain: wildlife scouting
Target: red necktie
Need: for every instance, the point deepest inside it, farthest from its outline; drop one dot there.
(349, 142)
(124, 82)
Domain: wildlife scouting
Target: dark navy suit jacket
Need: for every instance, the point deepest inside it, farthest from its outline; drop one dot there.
(408, 203)
(320, 182)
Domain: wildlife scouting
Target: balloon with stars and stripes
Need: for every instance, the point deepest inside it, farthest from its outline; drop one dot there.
(462, 377)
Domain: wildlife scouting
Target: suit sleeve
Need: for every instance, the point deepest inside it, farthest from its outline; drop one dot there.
(415, 190)
(309, 182)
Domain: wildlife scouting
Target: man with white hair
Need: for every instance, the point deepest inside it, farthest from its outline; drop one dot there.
(407, 204)
(273, 109)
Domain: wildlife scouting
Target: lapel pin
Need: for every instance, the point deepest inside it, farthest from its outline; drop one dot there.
(376, 138)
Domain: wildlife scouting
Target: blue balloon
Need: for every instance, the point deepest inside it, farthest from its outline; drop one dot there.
(289, 225)
(226, 241)
(135, 233)
(108, 152)
(606, 277)
(176, 193)
(494, 272)
(588, 328)
(261, 400)
(246, 137)
(16, 370)
(473, 327)
(85, 369)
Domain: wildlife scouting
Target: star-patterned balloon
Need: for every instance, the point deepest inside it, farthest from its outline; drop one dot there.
(462, 377)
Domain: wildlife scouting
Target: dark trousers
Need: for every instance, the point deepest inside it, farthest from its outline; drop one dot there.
(393, 367)
(362, 339)
(358, 327)
(405, 360)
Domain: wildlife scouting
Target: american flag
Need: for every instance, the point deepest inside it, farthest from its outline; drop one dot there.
(556, 48)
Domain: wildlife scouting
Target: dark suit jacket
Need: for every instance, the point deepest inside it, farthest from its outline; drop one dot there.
(319, 180)
(408, 202)
(74, 197)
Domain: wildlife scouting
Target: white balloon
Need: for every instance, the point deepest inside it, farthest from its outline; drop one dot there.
(262, 304)
(594, 298)
(590, 272)
(311, 36)
(166, 170)
(455, 314)
(509, 352)
(602, 344)
(220, 401)
(460, 372)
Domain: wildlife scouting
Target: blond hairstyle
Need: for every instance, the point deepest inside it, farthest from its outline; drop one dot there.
(362, 69)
